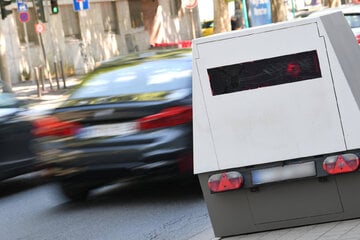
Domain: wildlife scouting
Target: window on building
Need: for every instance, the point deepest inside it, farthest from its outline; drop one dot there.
(108, 12)
(30, 29)
(175, 7)
(135, 13)
(70, 21)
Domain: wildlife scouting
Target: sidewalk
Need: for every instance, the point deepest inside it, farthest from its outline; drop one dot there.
(337, 230)
(49, 98)
(207, 234)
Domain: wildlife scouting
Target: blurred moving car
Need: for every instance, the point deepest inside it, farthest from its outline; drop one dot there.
(207, 28)
(131, 117)
(351, 13)
(17, 157)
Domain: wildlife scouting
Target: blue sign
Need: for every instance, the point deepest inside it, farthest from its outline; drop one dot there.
(21, 6)
(81, 5)
(260, 12)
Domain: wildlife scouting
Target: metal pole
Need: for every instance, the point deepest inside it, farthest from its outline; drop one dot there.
(192, 23)
(43, 50)
(55, 50)
(56, 75)
(63, 73)
(36, 71)
(246, 18)
(46, 61)
(293, 8)
(27, 47)
(41, 76)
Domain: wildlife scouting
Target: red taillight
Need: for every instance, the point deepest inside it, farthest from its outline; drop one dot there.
(341, 163)
(358, 38)
(225, 181)
(166, 118)
(51, 126)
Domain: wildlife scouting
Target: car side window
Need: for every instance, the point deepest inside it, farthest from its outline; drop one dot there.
(353, 20)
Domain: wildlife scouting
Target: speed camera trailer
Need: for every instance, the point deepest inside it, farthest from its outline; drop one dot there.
(277, 125)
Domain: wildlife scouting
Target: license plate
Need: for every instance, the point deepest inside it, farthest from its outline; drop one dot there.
(108, 130)
(283, 173)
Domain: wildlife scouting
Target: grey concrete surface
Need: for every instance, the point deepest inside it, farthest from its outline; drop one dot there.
(338, 230)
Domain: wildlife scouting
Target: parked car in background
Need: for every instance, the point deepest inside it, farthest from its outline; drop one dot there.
(17, 157)
(351, 13)
(207, 28)
(130, 118)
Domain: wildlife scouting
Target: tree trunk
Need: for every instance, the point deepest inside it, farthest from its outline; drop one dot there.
(333, 3)
(222, 21)
(278, 11)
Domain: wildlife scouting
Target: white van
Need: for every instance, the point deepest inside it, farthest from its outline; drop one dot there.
(277, 124)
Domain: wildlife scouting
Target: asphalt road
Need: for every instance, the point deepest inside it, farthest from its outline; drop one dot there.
(33, 210)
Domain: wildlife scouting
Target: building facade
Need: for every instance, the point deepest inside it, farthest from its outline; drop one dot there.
(77, 40)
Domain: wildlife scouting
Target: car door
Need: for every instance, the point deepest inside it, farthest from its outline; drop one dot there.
(15, 134)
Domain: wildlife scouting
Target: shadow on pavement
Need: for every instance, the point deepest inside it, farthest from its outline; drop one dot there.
(140, 192)
(19, 184)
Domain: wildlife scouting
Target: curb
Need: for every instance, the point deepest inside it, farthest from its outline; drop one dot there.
(207, 234)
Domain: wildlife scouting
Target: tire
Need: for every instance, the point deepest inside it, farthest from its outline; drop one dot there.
(74, 192)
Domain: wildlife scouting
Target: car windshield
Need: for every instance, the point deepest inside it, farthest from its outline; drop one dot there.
(353, 20)
(143, 77)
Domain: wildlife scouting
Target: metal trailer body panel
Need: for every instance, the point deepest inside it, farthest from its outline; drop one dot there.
(259, 128)
(346, 87)
(282, 205)
(267, 113)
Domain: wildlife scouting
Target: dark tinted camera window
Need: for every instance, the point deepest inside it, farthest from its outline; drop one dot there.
(264, 73)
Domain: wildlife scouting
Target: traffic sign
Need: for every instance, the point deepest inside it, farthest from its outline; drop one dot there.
(22, 6)
(189, 4)
(24, 17)
(81, 5)
(39, 28)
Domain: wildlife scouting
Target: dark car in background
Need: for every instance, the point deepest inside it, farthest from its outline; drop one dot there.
(131, 117)
(17, 158)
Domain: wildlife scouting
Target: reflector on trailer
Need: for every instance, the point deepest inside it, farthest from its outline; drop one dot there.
(341, 163)
(225, 181)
